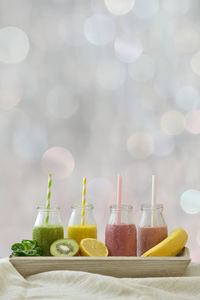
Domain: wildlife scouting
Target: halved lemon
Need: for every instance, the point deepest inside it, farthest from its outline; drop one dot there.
(92, 247)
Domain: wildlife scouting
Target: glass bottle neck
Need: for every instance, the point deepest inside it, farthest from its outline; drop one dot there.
(48, 216)
(77, 217)
(152, 216)
(87, 206)
(121, 215)
(45, 209)
(146, 207)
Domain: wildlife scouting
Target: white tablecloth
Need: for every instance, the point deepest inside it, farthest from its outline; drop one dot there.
(85, 286)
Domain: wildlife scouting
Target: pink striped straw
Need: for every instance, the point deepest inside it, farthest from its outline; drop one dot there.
(119, 198)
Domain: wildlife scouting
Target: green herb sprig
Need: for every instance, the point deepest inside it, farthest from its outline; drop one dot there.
(26, 248)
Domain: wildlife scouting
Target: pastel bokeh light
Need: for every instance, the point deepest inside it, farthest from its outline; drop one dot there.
(30, 142)
(58, 161)
(192, 121)
(14, 45)
(119, 7)
(172, 122)
(140, 145)
(145, 9)
(99, 29)
(128, 49)
(190, 201)
(187, 98)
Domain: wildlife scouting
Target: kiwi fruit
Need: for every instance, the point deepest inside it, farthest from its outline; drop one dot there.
(64, 247)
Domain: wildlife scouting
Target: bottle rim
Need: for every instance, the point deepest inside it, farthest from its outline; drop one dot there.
(150, 207)
(81, 206)
(124, 207)
(52, 208)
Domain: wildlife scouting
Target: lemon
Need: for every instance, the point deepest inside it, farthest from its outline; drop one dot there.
(92, 247)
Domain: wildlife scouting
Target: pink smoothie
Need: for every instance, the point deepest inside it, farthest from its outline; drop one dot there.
(149, 237)
(121, 240)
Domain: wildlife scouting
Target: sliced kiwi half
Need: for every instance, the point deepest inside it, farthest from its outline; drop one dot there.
(64, 247)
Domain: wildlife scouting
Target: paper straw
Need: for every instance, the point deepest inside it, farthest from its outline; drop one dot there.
(48, 197)
(153, 202)
(119, 198)
(83, 201)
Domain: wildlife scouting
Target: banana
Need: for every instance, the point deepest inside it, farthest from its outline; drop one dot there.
(170, 246)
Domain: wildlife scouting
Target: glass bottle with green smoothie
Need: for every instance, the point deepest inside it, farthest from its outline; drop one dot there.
(47, 228)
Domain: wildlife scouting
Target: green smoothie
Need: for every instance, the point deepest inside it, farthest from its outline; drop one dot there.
(45, 235)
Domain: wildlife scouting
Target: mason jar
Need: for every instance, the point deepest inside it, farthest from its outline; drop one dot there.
(152, 228)
(48, 227)
(120, 234)
(82, 223)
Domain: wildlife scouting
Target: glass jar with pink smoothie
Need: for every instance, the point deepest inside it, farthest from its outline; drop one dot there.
(152, 228)
(120, 234)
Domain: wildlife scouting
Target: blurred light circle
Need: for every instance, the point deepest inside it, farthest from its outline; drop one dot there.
(14, 45)
(127, 50)
(9, 98)
(192, 121)
(186, 40)
(190, 201)
(140, 145)
(177, 7)
(142, 69)
(172, 122)
(99, 29)
(110, 74)
(61, 103)
(195, 63)
(119, 7)
(187, 98)
(58, 161)
(145, 9)
(163, 144)
(30, 142)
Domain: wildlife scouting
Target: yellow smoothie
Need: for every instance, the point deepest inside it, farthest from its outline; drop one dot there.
(79, 232)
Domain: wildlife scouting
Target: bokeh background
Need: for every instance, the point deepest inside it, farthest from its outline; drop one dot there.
(94, 88)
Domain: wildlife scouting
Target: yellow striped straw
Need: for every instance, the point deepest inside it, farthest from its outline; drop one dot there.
(83, 202)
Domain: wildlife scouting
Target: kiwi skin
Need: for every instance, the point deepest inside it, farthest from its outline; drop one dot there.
(56, 250)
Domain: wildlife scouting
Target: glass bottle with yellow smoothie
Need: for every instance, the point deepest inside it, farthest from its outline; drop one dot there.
(76, 230)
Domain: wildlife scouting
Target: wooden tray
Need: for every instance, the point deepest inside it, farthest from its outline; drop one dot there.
(112, 266)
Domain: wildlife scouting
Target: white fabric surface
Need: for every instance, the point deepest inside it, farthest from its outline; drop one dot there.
(85, 286)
